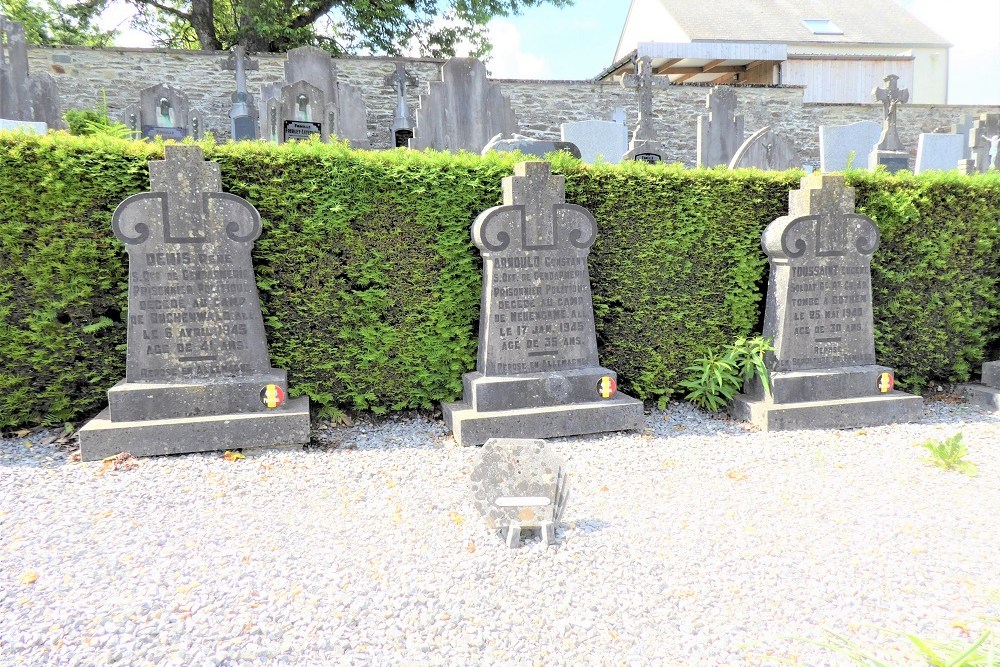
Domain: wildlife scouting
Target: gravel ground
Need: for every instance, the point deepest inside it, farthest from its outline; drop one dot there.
(698, 542)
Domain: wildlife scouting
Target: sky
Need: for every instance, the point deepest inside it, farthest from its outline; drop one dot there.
(578, 42)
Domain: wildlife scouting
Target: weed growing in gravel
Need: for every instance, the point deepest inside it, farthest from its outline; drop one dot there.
(983, 652)
(717, 378)
(950, 455)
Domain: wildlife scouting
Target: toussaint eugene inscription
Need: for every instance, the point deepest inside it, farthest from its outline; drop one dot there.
(193, 310)
(819, 309)
(537, 314)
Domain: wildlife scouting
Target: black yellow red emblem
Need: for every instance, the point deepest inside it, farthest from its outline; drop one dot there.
(607, 386)
(886, 382)
(272, 396)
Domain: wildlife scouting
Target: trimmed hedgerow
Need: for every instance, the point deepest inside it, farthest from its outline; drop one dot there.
(370, 284)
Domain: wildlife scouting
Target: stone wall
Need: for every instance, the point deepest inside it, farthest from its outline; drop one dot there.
(82, 75)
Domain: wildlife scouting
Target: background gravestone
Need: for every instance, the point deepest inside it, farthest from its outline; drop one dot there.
(163, 111)
(644, 146)
(940, 152)
(27, 101)
(529, 146)
(243, 115)
(767, 150)
(720, 133)
(463, 110)
(520, 484)
(987, 394)
(537, 372)
(819, 315)
(197, 373)
(840, 145)
(889, 151)
(597, 139)
(962, 128)
(298, 111)
(401, 130)
(983, 143)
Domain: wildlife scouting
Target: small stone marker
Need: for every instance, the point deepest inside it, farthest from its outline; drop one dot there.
(940, 152)
(720, 133)
(529, 146)
(644, 146)
(520, 484)
(889, 150)
(537, 372)
(243, 114)
(27, 101)
(197, 374)
(843, 145)
(463, 110)
(819, 315)
(163, 111)
(767, 150)
(987, 394)
(597, 139)
(984, 144)
(401, 130)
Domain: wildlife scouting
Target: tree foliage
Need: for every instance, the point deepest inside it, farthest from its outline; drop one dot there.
(52, 24)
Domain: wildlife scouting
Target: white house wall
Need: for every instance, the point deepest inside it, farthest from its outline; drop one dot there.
(648, 21)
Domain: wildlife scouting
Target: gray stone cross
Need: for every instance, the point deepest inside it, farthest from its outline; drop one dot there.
(644, 82)
(891, 97)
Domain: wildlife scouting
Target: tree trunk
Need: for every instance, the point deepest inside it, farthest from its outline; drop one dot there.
(203, 22)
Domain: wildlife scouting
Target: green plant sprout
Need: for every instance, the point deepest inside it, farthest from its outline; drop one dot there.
(717, 378)
(950, 455)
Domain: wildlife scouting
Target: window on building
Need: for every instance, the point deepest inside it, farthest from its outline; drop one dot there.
(822, 27)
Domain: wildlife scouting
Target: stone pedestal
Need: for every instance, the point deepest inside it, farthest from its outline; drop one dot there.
(893, 161)
(987, 394)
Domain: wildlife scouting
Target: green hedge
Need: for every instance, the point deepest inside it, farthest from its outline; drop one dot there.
(370, 283)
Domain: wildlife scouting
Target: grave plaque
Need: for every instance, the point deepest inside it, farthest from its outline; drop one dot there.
(537, 372)
(197, 374)
(300, 129)
(151, 131)
(819, 316)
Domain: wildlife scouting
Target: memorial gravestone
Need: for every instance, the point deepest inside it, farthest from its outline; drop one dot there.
(537, 372)
(27, 101)
(984, 142)
(889, 151)
(720, 133)
(401, 130)
(462, 111)
(243, 114)
(819, 315)
(841, 146)
(987, 394)
(197, 375)
(597, 139)
(529, 146)
(163, 111)
(644, 146)
(297, 112)
(941, 152)
(767, 150)
(520, 484)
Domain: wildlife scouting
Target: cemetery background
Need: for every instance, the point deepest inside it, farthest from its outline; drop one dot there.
(370, 285)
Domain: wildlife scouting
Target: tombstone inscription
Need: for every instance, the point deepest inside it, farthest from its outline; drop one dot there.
(197, 374)
(537, 372)
(819, 315)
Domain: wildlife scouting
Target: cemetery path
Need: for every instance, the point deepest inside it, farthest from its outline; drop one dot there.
(698, 542)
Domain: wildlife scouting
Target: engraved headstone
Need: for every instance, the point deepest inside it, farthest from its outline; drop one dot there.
(720, 133)
(297, 111)
(940, 152)
(27, 101)
(767, 150)
(597, 139)
(537, 372)
(644, 145)
(529, 146)
(889, 150)
(401, 130)
(243, 114)
(984, 143)
(197, 372)
(841, 146)
(163, 111)
(819, 315)
(520, 484)
(463, 110)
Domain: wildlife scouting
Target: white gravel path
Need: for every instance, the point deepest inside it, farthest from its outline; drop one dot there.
(701, 542)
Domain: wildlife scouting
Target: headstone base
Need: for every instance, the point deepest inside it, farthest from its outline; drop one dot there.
(845, 397)
(893, 161)
(137, 401)
(473, 428)
(966, 167)
(284, 427)
(987, 394)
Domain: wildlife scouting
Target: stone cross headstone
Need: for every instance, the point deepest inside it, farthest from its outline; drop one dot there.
(940, 152)
(243, 113)
(197, 372)
(401, 130)
(520, 484)
(984, 140)
(529, 146)
(819, 315)
(163, 111)
(644, 145)
(537, 372)
(27, 101)
(889, 150)
(720, 133)
(597, 139)
(463, 110)
(767, 150)
(841, 146)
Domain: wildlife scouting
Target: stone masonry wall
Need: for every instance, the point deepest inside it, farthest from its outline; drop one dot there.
(82, 75)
